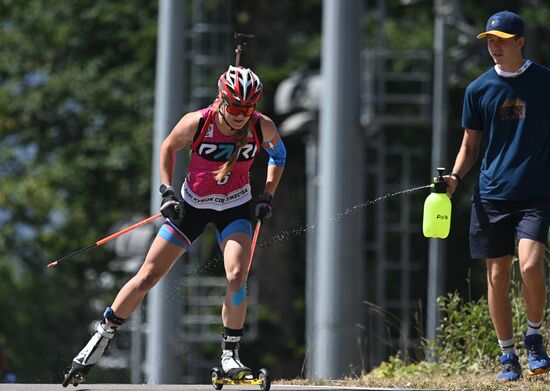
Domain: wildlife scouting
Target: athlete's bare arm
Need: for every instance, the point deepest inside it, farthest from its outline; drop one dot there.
(181, 136)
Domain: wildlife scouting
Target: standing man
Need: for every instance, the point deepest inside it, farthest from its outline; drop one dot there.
(509, 107)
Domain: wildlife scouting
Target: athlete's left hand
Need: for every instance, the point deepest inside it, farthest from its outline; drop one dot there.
(263, 207)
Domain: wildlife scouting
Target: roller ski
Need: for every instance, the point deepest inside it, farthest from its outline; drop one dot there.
(221, 378)
(75, 375)
(232, 370)
(94, 349)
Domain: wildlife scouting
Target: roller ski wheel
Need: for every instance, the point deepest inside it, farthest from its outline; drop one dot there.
(220, 378)
(73, 376)
(217, 378)
(265, 378)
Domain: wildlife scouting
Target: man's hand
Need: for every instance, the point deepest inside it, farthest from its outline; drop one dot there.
(452, 182)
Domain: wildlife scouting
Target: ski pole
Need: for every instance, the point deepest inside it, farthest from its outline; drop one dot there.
(105, 240)
(254, 240)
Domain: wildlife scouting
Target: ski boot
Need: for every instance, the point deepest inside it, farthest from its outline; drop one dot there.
(94, 349)
(232, 370)
(232, 366)
(220, 378)
(230, 362)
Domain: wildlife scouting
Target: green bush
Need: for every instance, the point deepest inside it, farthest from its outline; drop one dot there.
(466, 339)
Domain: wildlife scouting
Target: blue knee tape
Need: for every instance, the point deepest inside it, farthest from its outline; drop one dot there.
(238, 297)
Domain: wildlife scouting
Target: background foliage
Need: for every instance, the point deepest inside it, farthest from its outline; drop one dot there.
(76, 101)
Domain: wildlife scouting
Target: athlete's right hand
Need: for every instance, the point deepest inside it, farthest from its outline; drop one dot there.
(171, 207)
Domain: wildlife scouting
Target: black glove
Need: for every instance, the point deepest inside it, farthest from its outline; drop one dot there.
(171, 207)
(263, 207)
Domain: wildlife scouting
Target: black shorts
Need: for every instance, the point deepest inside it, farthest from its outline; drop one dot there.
(183, 232)
(495, 225)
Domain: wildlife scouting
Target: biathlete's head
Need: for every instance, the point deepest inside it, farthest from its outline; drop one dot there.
(239, 90)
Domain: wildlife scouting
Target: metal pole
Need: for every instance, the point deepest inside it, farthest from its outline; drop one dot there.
(436, 272)
(136, 346)
(162, 300)
(311, 258)
(339, 271)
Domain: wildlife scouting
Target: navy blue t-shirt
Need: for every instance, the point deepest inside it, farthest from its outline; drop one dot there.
(514, 113)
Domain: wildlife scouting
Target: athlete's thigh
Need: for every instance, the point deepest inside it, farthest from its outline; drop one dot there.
(231, 221)
(161, 256)
(234, 232)
(184, 231)
(175, 236)
(236, 251)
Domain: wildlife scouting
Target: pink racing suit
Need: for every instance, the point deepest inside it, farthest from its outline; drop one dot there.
(210, 151)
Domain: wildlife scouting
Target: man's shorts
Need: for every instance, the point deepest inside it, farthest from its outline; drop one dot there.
(495, 225)
(183, 232)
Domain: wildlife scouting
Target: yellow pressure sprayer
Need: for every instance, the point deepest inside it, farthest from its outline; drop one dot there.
(437, 209)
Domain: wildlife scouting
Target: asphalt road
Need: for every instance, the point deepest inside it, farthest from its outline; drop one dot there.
(173, 387)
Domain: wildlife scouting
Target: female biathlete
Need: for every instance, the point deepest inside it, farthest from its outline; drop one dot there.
(224, 140)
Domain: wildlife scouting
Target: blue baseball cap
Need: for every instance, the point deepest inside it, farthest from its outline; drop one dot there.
(503, 24)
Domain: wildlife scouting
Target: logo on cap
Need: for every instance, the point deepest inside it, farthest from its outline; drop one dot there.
(504, 24)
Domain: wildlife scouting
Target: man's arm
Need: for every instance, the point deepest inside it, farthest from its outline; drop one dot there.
(465, 159)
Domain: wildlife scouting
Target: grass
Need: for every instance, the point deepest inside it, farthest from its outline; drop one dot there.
(468, 381)
(467, 352)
